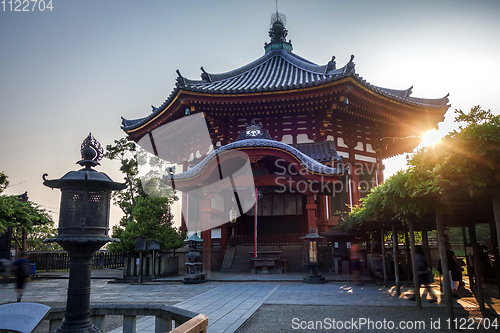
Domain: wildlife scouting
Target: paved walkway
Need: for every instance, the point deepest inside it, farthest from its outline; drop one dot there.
(229, 304)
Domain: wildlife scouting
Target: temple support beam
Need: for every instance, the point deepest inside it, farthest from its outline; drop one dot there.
(395, 250)
(416, 282)
(496, 211)
(444, 267)
(477, 267)
(384, 266)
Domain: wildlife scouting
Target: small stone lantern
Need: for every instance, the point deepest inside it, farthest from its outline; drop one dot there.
(83, 229)
(194, 266)
(311, 257)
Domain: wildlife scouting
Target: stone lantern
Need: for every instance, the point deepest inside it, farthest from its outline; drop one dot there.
(83, 229)
(194, 266)
(311, 257)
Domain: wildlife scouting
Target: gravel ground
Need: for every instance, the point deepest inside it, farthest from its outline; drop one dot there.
(280, 318)
(110, 324)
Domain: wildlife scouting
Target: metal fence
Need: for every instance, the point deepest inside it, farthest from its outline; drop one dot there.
(59, 260)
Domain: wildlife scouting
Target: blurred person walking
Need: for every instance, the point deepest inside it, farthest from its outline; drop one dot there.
(22, 269)
(425, 276)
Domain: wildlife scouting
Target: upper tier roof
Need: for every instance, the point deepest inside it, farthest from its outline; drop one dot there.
(275, 70)
(279, 69)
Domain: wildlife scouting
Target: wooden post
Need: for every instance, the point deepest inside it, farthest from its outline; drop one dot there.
(395, 250)
(427, 250)
(207, 250)
(407, 256)
(467, 260)
(206, 233)
(444, 267)
(384, 267)
(416, 282)
(494, 243)
(477, 266)
(224, 237)
(496, 211)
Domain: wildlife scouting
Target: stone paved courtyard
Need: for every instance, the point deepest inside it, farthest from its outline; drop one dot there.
(268, 306)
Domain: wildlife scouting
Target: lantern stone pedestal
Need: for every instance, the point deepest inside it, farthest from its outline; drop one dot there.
(311, 257)
(314, 277)
(83, 229)
(194, 267)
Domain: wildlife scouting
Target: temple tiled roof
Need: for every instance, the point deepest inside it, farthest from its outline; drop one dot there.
(279, 69)
(323, 151)
(274, 71)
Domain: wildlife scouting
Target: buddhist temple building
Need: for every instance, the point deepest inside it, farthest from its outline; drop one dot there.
(315, 136)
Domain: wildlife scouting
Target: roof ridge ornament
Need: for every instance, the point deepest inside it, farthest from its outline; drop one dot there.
(278, 34)
(180, 79)
(331, 64)
(253, 131)
(349, 68)
(204, 75)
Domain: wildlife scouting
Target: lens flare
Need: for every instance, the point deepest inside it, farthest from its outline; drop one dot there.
(430, 138)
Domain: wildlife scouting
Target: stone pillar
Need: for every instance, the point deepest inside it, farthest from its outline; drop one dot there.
(311, 213)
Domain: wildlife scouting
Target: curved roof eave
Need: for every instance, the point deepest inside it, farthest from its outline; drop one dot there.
(311, 165)
(404, 95)
(311, 75)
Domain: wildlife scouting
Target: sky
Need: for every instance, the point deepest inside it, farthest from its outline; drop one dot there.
(80, 67)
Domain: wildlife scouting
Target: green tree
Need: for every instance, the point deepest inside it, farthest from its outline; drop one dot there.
(467, 157)
(4, 182)
(25, 218)
(144, 215)
(39, 233)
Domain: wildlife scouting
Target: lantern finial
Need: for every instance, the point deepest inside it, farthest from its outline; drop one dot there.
(91, 151)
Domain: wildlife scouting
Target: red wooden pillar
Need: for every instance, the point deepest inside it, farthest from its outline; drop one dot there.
(321, 199)
(206, 235)
(354, 173)
(224, 237)
(184, 211)
(321, 209)
(311, 213)
(184, 203)
(380, 166)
